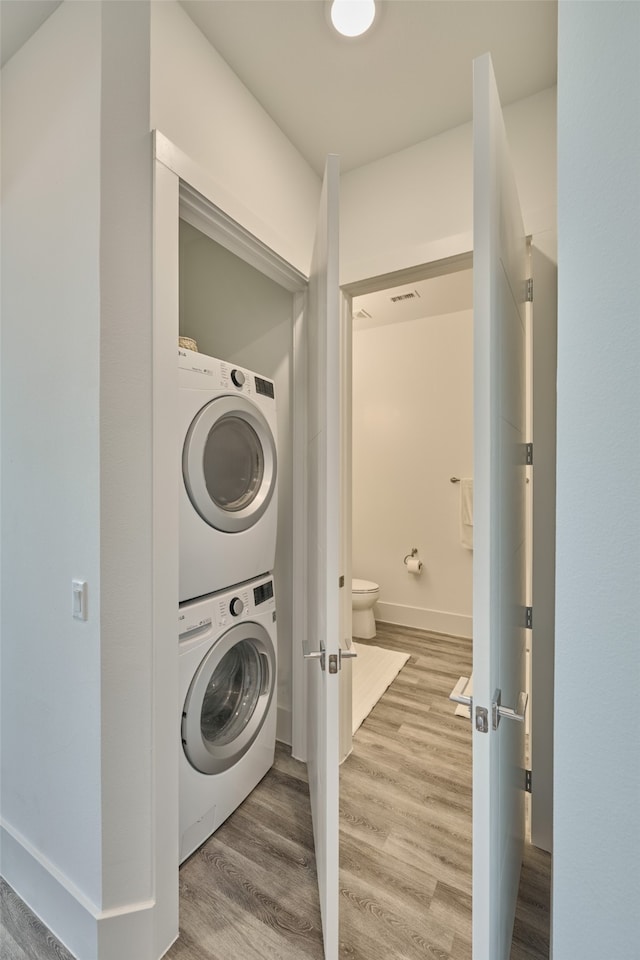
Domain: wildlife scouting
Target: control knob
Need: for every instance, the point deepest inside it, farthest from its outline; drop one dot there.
(238, 377)
(236, 607)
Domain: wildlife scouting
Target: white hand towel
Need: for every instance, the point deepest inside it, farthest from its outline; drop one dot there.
(466, 513)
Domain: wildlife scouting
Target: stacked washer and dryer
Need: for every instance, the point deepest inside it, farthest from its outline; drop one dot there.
(227, 613)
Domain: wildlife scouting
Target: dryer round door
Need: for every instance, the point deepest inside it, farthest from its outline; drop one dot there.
(229, 464)
(229, 698)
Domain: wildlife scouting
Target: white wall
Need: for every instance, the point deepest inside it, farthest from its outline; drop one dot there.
(237, 314)
(415, 206)
(51, 444)
(412, 431)
(201, 106)
(78, 809)
(596, 883)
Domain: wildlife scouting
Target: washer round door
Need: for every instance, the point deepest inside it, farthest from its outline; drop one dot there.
(229, 463)
(229, 698)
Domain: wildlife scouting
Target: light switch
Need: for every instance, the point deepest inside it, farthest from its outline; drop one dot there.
(79, 599)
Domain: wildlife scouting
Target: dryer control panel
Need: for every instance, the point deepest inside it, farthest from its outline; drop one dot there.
(220, 375)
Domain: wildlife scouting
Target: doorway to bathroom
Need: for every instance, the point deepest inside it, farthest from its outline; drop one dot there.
(411, 461)
(412, 445)
(412, 435)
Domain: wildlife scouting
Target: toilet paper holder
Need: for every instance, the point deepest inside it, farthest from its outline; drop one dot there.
(411, 556)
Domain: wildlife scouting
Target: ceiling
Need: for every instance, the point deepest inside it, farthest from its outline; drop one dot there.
(408, 79)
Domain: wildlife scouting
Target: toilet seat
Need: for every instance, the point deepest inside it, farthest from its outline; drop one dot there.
(364, 586)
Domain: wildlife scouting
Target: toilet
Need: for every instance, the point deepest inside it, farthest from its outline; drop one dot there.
(364, 594)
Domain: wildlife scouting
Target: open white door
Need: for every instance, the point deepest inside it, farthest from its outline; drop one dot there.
(500, 265)
(323, 552)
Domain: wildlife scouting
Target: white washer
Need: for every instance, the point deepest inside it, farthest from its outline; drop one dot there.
(229, 470)
(228, 665)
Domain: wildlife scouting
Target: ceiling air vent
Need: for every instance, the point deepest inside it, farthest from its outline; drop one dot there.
(412, 295)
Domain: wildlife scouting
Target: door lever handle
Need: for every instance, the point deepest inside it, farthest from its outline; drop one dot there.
(346, 655)
(316, 655)
(509, 713)
(457, 694)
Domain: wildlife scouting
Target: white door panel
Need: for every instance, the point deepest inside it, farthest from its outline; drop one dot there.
(499, 598)
(323, 552)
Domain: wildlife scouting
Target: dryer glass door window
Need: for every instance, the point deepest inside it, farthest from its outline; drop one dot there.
(233, 463)
(229, 464)
(229, 698)
(233, 693)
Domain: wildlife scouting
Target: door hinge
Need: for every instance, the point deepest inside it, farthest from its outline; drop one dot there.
(341, 582)
(528, 618)
(527, 781)
(529, 454)
(529, 291)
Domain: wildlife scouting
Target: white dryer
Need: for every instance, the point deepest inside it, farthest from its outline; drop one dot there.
(227, 665)
(229, 470)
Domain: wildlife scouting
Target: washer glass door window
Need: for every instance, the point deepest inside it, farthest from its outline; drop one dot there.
(229, 698)
(232, 694)
(229, 463)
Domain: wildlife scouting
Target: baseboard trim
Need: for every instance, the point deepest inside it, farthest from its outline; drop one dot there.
(439, 621)
(90, 933)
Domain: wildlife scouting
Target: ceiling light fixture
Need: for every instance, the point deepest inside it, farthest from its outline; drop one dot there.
(352, 18)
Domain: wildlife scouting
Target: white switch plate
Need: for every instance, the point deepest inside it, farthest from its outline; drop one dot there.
(79, 599)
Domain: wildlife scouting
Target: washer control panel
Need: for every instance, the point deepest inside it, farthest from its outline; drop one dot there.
(199, 617)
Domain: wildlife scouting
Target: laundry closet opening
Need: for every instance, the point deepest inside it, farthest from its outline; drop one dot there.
(237, 314)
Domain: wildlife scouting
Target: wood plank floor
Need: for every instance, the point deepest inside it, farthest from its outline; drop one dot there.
(405, 844)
